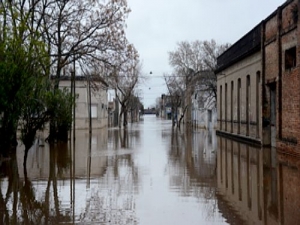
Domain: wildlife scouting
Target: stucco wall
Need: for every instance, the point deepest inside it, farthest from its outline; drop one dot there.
(236, 114)
(98, 101)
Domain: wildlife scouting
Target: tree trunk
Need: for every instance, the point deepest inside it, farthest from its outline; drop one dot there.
(125, 118)
(120, 118)
(182, 116)
(8, 136)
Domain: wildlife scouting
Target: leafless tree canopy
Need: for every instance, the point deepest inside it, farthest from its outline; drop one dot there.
(88, 31)
(124, 77)
(193, 68)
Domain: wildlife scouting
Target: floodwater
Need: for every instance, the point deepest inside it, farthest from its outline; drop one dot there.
(150, 174)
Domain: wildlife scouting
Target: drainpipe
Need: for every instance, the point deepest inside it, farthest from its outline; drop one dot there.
(265, 128)
(279, 45)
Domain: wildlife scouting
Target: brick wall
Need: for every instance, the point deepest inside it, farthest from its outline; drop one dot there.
(281, 35)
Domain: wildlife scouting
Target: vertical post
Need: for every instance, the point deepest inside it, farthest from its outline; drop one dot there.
(74, 98)
(279, 85)
(90, 105)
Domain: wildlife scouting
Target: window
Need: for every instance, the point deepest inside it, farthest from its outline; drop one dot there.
(290, 58)
(226, 110)
(221, 103)
(248, 101)
(257, 102)
(94, 111)
(209, 115)
(231, 104)
(239, 104)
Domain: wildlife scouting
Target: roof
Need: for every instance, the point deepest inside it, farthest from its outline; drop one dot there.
(247, 45)
(83, 78)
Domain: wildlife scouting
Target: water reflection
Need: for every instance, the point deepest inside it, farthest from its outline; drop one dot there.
(192, 169)
(73, 183)
(21, 199)
(149, 174)
(261, 185)
(196, 153)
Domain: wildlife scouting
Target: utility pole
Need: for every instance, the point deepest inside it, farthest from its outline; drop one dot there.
(74, 98)
(90, 104)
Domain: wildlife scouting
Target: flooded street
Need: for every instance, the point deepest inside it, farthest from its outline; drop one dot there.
(150, 174)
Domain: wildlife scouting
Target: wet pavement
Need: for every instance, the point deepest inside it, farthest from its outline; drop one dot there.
(150, 174)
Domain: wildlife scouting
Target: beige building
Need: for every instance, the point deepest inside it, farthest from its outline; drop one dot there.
(239, 88)
(97, 90)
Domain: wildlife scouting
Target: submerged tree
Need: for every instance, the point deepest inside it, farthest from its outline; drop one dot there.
(124, 89)
(86, 33)
(176, 92)
(135, 106)
(124, 79)
(45, 37)
(23, 58)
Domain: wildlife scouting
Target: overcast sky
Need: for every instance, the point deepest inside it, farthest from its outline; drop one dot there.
(156, 26)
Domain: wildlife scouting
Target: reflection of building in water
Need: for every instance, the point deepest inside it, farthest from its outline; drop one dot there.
(193, 162)
(260, 185)
(123, 138)
(86, 155)
(70, 184)
(203, 153)
(289, 185)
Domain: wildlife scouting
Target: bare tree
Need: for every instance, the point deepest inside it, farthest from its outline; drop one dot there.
(193, 70)
(82, 31)
(176, 98)
(54, 34)
(208, 79)
(123, 78)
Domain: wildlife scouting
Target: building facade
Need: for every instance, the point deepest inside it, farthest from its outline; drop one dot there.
(204, 112)
(239, 88)
(96, 106)
(168, 105)
(258, 83)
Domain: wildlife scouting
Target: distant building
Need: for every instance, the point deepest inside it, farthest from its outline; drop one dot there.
(168, 107)
(258, 83)
(113, 109)
(134, 108)
(204, 112)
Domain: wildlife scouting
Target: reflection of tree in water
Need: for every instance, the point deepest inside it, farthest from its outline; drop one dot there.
(112, 201)
(193, 168)
(20, 204)
(108, 198)
(123, 138)
(61, 157)
(59, 161)
(10, 179)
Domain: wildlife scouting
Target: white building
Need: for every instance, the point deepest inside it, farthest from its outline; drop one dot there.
(204, 112)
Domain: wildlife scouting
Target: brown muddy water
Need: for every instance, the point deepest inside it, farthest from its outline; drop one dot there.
(150, 174)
